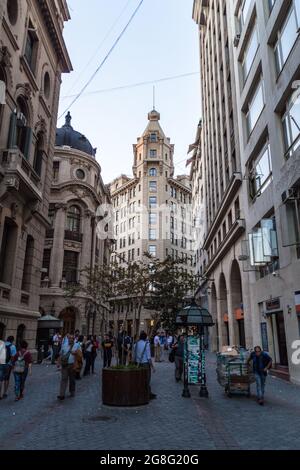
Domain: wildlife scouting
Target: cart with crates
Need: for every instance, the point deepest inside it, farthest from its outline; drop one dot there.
(233, 371)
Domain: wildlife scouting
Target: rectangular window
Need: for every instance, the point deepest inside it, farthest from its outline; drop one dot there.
(291, 125)
(152, 250)
(153, 186)
(260, 172)
(153, 137)
(46, 263)
(55, 170)
(153, 153)
(152, 202)
(244, 10)
(152, 218)
(287, 35)
(70, 266)
(250, 53)
(255, 107)
(152, 234)
(31, 47)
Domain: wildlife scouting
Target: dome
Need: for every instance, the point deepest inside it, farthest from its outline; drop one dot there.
(67, 136)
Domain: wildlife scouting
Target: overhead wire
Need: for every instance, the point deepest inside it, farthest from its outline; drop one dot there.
(135, 85)
(99, 47)
(105, 59)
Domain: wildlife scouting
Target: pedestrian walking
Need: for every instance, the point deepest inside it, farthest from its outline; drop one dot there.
(142, 355)
(68, 353)
(22, 365)
(179, 357)
(88, 356)
(262, 362)
(156, 348)
(56, 345)
(123, 347)
(95, 348)
(79, 363)
(107, 347)
(5, 369)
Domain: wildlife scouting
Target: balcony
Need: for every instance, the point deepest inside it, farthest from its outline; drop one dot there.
(19, 176)
(73, 236)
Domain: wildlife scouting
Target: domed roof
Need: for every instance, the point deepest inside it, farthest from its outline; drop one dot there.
(67, 136)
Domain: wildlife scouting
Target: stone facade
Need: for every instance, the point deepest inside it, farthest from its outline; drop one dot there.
(151, 210)
(33, 56)
(72, 244)
(256, 281)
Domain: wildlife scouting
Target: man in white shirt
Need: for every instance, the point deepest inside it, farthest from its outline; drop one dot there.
(157, 348)
(142, 354)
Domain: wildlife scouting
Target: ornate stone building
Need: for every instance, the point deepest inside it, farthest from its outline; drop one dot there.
(151, 210)
(72, 243)
(33, 56)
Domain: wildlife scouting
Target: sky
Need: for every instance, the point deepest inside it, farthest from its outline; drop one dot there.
(161, 41)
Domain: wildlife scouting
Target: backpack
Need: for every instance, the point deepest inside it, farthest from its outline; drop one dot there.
(8, 354)
(20, 364)
(64, 359)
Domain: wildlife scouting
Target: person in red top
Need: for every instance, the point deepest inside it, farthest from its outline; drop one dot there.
(22, 364)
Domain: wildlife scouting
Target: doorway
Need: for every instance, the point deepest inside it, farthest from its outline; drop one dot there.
(68, 316)
(283, 356)
(242, 336)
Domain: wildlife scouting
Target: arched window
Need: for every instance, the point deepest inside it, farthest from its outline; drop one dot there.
(153, 172)
(20, 334)
(20, 134)
(2, 331)
(38, 153)
(73, 219)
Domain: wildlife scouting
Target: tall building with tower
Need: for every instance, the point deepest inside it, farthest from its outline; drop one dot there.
(151, 211)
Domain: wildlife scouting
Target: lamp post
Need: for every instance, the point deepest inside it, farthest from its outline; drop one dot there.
(199, 317)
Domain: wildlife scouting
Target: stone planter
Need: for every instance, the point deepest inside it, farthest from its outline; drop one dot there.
(125, 387)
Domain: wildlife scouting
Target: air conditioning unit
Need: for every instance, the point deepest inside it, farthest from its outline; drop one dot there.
(236, 40)
(291, 194)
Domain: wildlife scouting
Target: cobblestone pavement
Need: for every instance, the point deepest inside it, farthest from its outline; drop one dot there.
(170, 422)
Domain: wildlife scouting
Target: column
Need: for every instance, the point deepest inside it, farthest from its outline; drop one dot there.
(57, 253)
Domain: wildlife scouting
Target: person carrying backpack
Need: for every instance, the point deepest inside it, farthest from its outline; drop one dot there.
(11, 351)
(22, 364)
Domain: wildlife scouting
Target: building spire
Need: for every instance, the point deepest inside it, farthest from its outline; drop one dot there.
(153, 97)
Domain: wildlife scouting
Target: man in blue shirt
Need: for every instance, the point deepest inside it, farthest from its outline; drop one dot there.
(262, 362)
(11, 351)
(142, 354)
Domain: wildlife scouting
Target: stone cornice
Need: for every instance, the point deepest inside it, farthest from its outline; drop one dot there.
(55, 33)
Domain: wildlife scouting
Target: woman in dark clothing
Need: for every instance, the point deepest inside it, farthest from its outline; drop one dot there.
(22, 363)
(95, 348)
(107, 346)
(179, 357)
(88, 356)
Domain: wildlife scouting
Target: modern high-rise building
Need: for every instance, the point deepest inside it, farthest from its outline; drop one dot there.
(217, 180)
(151, 210)
(262, 47)
(33, 57)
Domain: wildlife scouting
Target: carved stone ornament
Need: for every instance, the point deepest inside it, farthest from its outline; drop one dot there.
(41, 125)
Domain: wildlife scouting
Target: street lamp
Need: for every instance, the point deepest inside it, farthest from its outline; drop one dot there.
(194, 316)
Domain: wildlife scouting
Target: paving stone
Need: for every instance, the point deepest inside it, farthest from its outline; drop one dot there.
(168, 423)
